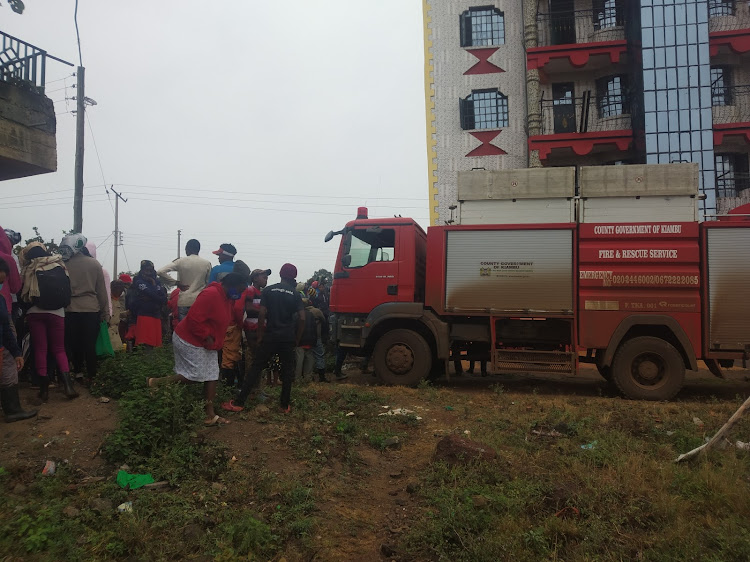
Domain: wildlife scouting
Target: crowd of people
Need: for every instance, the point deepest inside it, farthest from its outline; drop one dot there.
(224, 322)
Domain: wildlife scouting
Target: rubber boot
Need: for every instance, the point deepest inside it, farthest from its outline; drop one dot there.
(12, 405)
(228, 376)
(43, 389)
(322, 375)
(68, 386)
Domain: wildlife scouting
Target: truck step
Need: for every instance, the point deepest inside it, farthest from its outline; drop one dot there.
(535, 361)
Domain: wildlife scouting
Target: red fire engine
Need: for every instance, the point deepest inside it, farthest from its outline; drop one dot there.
(644, 300)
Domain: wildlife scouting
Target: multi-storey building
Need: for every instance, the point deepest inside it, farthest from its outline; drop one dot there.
(531, 83)
(27, 117)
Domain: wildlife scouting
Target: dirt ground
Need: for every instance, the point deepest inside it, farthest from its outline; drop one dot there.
(358, 516)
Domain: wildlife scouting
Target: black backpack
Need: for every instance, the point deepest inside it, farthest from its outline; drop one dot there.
(54, 289)
(310, 333)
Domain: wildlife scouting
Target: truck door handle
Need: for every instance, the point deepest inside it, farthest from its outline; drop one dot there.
(392, 289)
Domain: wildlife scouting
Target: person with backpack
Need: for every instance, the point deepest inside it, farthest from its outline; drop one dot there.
(307, 350)
(89, 303)
(12, 359)
(46, 286)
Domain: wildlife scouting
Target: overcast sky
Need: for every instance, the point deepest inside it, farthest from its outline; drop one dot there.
(263, 124)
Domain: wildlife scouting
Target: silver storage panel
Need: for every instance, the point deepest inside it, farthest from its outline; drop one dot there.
(521, 211)
(677, 208)
(509, 271)
(532, 195)
(651, 192)
(729, 288)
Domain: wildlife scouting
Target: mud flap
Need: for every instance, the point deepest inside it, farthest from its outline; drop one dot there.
(714, 367)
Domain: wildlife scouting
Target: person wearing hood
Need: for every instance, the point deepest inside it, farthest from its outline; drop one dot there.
(200, 335)
(89, 303)
(148, 298)
(12, 359)
(91, 247)
(13, 281)
(43, 271)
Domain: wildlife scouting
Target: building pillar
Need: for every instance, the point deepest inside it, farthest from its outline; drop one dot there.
(533, 85)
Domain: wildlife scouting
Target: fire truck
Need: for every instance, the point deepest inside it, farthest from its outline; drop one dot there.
(539, 270)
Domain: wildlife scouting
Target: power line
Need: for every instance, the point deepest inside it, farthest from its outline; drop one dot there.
(126, 258)
(50, 204)
(78, 36)
(96, 150)
(25, 195)
(355, 197)
(177, 198)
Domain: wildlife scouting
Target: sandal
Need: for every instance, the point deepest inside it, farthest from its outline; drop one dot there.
(231, 407)
(217, 420)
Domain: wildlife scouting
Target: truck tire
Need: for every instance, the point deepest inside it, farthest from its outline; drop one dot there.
(402, 357)
(605, 372)
(648, 368)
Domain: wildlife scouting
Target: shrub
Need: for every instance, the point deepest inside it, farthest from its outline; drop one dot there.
(129, 371)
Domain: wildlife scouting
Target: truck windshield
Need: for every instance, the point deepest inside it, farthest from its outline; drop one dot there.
(367, 247)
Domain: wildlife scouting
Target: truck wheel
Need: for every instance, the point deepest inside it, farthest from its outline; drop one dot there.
(605, 372)
(402, 357)
(648, 368)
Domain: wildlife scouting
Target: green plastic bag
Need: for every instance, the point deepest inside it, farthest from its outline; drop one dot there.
(133, 481)
(103, 343)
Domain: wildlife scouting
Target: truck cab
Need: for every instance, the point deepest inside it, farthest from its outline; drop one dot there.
(379, 261)
(378, 279)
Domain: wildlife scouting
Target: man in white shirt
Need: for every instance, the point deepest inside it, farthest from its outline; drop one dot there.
(193, 272)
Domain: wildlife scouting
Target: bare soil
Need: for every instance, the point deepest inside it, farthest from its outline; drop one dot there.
(363, 507)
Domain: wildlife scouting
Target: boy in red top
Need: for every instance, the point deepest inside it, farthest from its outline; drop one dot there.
(200, 335)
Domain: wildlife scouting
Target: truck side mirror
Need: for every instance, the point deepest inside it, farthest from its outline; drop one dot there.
(346, 260)
(329, 236)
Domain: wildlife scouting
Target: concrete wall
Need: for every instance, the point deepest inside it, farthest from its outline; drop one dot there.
(27, 133)
(446, 62)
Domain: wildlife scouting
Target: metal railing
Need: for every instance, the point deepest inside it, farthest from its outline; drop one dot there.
(732, 184)
(731, 104)
(728, 16)
(581, 26)
(585, 113)
(22, 63)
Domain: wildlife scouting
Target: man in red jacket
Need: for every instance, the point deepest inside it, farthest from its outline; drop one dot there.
(200, 335)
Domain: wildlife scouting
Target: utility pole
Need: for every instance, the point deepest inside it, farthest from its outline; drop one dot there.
(179, 233)
(118, 234)
(80, 116)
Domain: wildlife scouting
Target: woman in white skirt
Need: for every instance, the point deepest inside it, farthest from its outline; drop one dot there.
(200, 335)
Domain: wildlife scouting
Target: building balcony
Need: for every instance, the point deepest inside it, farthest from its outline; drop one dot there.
(584, 125)
(729, 27)
(568, 41)
(27, 117)
(731, 113)
(733, 184)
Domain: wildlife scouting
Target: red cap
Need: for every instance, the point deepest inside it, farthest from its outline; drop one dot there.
(125, 278)
(288, 271)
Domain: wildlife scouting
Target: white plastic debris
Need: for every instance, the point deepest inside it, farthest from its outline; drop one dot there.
(400, 412)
